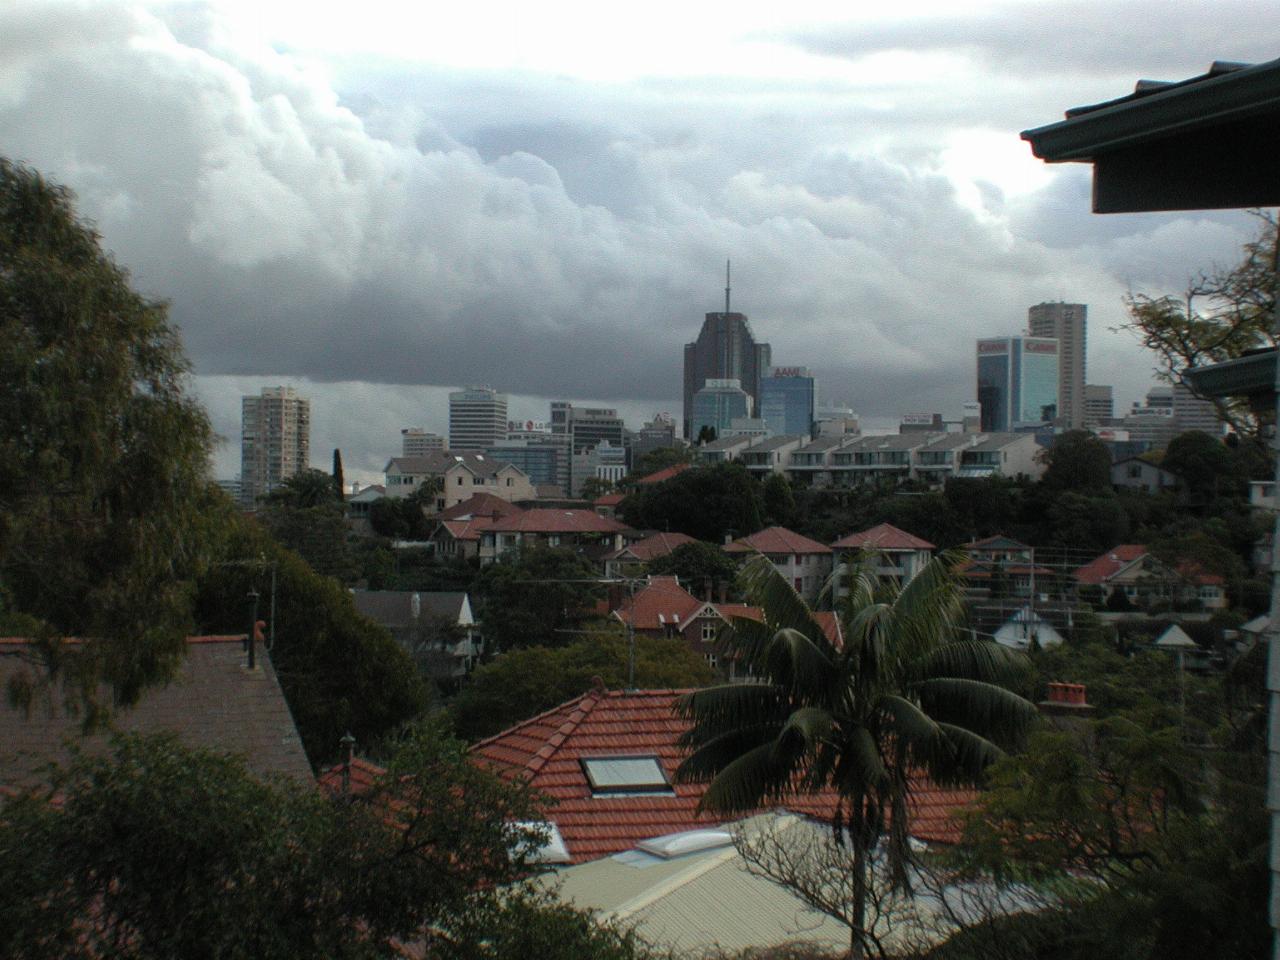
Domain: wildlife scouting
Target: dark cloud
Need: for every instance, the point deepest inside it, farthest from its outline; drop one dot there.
(383, 229)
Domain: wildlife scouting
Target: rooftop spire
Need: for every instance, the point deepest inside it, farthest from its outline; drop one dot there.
(726, 286)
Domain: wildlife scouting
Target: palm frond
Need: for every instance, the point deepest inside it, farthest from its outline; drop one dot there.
(718, 751)
(783, 607)
(910, 724)
(752, 780)
(860, 767)
(984, 708)
(968, 754)
(730, 706)
(799, 663)
(971, 660)
(807, 728)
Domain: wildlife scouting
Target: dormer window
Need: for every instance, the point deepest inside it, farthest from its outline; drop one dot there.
(641, 773)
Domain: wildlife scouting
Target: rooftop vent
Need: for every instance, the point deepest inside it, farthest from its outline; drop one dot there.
(689, 841)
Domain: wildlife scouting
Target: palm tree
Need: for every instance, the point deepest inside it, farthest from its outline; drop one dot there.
(904, 696)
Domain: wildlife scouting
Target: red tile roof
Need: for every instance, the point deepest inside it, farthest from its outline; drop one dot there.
(479, 505)
(1103, 568)
(545, 751)
(544, 520)
(466, 529)
(662, 601)
(213, 702)
(666, 473)
(362, 776)
(883, 536)
(773, 540)
(658, 545)
(609, 500)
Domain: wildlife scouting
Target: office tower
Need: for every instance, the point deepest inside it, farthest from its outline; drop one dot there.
(658, 434)
(726, 349)
(544, 457)
(583, 429)
(1065, 322)
(788, 401)
(1017, 382)
(477, 419)
(1099, 404)
(275, 440)
(1153, 421)
(717, 404)
(1193, 413)
(416, 442)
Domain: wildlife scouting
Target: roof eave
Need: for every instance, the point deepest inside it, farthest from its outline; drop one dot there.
(1181, 109)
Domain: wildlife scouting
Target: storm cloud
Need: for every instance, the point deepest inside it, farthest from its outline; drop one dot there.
(378, 230)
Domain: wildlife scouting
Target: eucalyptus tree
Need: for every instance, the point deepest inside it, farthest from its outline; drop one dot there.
(103, 449)
(906, 695)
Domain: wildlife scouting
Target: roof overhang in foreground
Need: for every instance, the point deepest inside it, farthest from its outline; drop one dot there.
(1209, 142)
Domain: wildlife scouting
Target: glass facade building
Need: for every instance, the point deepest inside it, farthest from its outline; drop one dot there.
(717, 404)
(1017, 382)
(788, 401)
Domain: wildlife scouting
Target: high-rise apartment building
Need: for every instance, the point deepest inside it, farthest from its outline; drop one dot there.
(1065, 322)
(1193, 413)
(788, 401)
(726, 349)
(477, 419)
(275, 440)
(416, 442)
(1017, 382)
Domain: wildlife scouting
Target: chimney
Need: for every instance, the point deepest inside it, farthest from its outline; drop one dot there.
(1066, 702)
(348, 754)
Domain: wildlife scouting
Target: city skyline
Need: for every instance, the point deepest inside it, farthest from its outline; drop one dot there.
(326, 205)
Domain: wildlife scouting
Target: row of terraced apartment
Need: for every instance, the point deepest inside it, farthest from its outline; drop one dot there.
(849, 460)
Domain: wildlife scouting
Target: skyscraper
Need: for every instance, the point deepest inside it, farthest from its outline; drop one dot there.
(416, 442)
(716, 405)
(275, 440)
(788, 401)
(1017, 381)
(726, 349)
(477, 419)
(1065, 322)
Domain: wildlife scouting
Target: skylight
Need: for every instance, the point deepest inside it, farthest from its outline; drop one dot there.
(632, 774)
(528, 840)
(688, 841)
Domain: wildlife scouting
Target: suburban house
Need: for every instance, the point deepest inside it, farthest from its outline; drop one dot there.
(359, 501)
(1139, 473)
(811, 464)
(895, 553)
(723, 449)
(457, 534)
(608, 760)
(216, 701)
(1000, 566)
(1130, 569)
(461, 475)
(584, 531)
(632, 558)
(1027, 627)
(663, 608)
(437, 629)
(805, 563)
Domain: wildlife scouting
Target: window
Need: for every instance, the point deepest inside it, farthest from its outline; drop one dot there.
(634, 774)
(708, 631)
(711, 660)
(799, 585)
(459, 481)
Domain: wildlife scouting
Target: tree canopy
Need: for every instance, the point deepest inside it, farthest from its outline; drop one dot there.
(539, 597)
(706, 502)
(159, 851)
(1222, 314)
(1077, 461)
(103, 451)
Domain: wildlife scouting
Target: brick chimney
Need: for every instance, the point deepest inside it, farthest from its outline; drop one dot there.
(1066, 700)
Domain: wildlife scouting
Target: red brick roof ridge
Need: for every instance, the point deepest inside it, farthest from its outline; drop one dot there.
(592, 695)
(765, 540)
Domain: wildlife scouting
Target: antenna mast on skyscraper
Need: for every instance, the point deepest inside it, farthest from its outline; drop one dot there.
(726, 286)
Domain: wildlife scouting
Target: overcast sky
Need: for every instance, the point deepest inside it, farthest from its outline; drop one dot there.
(378, 202)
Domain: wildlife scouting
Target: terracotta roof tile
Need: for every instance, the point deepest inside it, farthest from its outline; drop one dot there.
(479, 505)
(883, 536)
(662, 601)
(643, 723)
(1103, 568)
(544, 520)
(774, 540)
(666, 473)
(658, 545)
